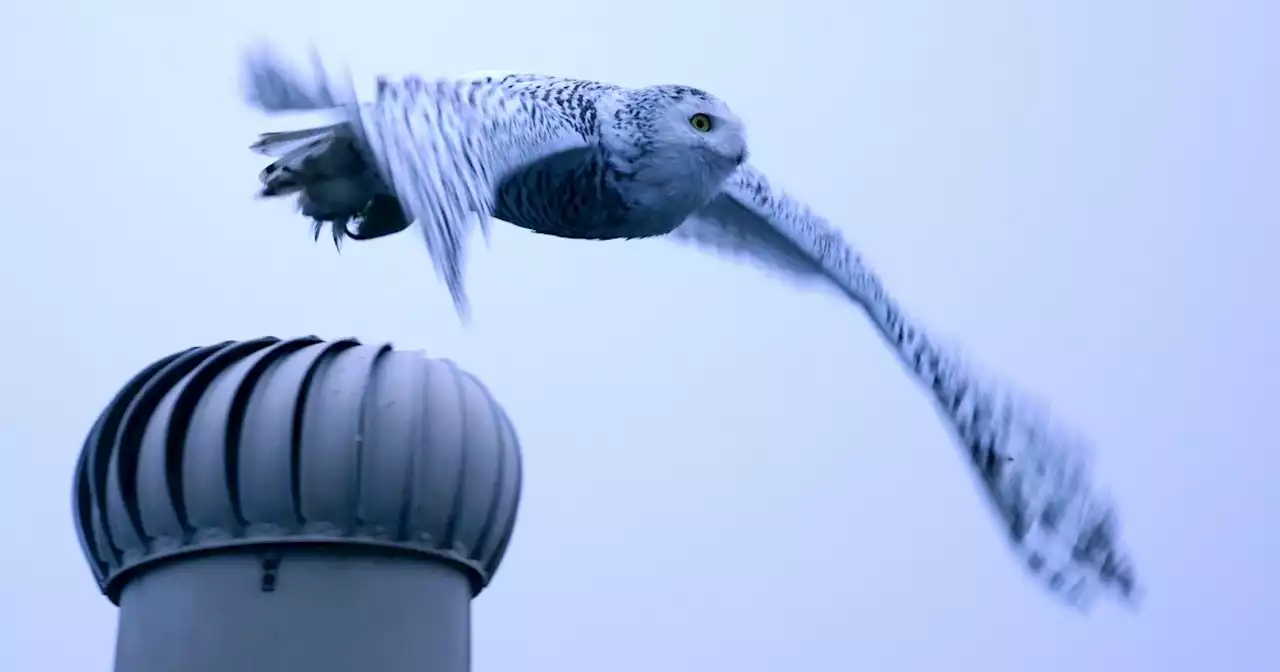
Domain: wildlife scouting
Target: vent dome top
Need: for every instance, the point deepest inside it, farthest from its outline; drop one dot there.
(272, 441)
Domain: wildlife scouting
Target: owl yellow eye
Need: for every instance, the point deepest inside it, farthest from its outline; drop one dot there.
(700, 122)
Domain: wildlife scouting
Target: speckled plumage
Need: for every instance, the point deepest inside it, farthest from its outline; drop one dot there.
(560, 156)
(1036, 474)
(581, 159)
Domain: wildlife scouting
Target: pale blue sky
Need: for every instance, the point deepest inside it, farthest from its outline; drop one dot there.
(723, 472)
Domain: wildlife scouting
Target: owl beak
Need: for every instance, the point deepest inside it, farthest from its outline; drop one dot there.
(741, 158)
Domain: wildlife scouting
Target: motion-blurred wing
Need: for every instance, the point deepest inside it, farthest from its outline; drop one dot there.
(1037, 477)
(446, 145)
(443, 146)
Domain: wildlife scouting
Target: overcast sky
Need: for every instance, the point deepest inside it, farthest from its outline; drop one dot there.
(723, 471)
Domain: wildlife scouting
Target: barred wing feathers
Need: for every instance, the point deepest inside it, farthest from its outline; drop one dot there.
(1036, 476)
(444, 146)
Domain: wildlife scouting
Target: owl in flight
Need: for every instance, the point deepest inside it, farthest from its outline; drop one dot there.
(583, 159)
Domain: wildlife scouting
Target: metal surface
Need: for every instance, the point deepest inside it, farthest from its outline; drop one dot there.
(328, 609)
(297, 441)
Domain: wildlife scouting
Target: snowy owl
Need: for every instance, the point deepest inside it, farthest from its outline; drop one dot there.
(583, 159)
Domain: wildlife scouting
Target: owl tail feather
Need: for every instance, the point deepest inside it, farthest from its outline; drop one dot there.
(328, 168)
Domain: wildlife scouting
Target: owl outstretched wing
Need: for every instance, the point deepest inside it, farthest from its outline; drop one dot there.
(1036, 475)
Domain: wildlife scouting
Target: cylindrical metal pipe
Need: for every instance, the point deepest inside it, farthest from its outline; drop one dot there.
(319, 609)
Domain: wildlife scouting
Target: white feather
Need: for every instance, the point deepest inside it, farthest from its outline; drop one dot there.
(1035, 475)
(442, 145)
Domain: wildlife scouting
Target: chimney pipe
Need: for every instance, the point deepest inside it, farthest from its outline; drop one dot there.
(297, 504)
